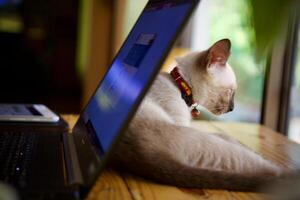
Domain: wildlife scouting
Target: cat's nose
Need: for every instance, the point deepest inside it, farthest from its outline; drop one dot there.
(231, 107)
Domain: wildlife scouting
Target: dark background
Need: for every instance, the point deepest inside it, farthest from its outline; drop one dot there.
(38, 63)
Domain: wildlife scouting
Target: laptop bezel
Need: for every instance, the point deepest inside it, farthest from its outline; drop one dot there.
(85, 188)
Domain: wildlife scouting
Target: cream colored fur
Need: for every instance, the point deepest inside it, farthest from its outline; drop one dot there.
(161, 145)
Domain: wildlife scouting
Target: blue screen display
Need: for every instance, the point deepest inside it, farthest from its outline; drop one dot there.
(132, 70)
(9, 2)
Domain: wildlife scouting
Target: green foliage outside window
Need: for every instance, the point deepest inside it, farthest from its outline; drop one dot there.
(232, 19)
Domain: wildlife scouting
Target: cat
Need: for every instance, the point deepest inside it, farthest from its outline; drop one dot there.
(161, 145)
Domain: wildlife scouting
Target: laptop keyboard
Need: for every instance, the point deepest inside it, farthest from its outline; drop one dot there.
(16, 152)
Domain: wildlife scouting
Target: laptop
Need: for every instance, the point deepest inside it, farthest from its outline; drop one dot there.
(59, 165)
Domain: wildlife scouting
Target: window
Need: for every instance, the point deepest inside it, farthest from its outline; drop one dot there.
(218, 19)
(214, 20)
(294, 121)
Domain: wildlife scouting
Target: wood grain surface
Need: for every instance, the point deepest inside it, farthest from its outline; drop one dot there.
(113, 185)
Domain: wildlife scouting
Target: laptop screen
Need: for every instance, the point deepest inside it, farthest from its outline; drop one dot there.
(132, 71)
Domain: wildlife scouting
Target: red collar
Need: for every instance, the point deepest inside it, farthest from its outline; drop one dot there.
(186, 92)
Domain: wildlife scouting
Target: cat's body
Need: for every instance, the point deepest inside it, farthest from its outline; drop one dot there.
(161, 145)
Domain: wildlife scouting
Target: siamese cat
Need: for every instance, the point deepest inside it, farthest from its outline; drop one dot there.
(161, 145)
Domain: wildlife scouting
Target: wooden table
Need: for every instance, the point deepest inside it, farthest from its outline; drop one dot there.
(113, 185)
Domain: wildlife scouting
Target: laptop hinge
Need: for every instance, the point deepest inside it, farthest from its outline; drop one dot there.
(74, 175)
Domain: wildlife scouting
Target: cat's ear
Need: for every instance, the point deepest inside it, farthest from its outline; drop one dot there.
(219, 53)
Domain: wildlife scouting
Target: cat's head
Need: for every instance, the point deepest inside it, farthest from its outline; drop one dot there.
(212, 79)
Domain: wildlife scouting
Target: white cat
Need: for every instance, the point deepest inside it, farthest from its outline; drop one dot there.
(161, 145)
